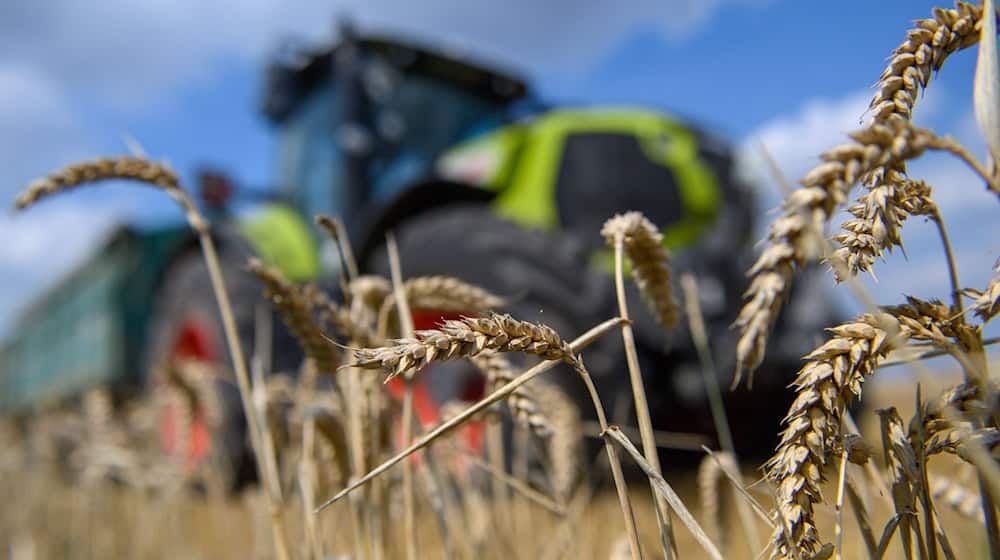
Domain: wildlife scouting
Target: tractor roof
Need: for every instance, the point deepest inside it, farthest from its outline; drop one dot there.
(288, 83)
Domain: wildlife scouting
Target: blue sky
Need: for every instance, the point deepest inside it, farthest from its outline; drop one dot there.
(183, 78)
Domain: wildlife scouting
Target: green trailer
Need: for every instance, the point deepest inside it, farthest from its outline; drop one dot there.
(89, 329)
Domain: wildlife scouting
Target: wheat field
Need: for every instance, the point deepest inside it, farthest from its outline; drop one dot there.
(915, 475)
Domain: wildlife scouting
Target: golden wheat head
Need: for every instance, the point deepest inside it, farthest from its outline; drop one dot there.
(643, 244)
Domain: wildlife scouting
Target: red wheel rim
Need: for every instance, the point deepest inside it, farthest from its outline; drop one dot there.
(194, 340)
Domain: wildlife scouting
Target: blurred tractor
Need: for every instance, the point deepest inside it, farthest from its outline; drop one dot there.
(478, 180)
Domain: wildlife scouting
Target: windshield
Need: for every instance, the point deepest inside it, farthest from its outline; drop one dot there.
(410, 120)
(308, 165)
(416, 119)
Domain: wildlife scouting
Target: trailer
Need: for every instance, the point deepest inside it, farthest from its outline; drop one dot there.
(89, 329)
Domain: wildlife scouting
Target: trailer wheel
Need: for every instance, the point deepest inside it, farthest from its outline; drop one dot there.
(187, 328)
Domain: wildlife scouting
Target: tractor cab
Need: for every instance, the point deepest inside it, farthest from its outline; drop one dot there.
(360, 122)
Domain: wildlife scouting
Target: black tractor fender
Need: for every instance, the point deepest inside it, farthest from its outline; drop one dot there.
(423, 196)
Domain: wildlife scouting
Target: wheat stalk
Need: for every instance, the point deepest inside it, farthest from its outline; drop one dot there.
(335, 228)
(504, 392)
(901, 459)
(633, 234)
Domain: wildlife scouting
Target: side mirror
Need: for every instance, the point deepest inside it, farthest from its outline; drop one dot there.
(215, 189)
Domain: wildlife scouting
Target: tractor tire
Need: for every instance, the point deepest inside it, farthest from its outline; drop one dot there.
(187, 325)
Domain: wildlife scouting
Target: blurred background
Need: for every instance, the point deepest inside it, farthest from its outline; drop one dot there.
(184, 80)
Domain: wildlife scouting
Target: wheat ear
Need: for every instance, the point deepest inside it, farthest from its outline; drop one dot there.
(643, 245)
(880, 212)
(370, 290)
(463, 338)
(295, 307)
(710, 474)
(565, 437)
(796, 237)
(445, 293)
(830, 379)
(103, 169)
(878, 217)
(522, 404)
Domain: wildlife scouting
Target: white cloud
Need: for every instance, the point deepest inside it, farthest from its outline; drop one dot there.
(38, 124)
(796, 140)
(132, 51)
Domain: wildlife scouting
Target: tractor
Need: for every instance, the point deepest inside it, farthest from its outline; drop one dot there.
(478, 180)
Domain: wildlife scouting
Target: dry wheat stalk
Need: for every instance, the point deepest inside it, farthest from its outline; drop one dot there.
(880, 213)
(466, 337)
(643, 244)
(338, 232)
(103, 169)
(901, 460)
(830, 379)
(796, 237)
(295, 306)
